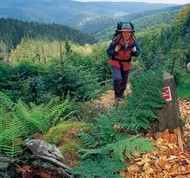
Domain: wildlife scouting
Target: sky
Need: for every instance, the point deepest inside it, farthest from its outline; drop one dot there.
(150, 1)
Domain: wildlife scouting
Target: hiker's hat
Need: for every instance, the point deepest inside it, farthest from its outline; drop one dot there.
(126, 28)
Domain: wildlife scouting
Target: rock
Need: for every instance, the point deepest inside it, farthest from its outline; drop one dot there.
(188, 67)
(41, 148)
(3, 165)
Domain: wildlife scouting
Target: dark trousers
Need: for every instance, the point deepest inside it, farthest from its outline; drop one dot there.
(120, 79)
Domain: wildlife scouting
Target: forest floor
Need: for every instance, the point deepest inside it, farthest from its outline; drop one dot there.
(171, 157)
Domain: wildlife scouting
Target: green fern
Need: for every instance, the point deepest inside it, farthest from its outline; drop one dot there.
(10, 143)
(142, 105)
(129, 146)
(88, 140)
(103, 168)
(61, 112)
(35, 120)
(19, 120)
(6, 101)
(110, 139)
(13, 135)
(99, 164)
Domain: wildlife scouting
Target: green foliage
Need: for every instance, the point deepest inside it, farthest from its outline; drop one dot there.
(76, 82)
(3, 51)
(70, 151)
(61, 112)
(18, 121)
(35, 51)
(59, 133)
(168, 46)
(10, 128)
(10, 139)
(105, 168)
(35, 118)
(121, 149)
(102, 165)
(16, 30)
(89, 140)
(65, 137)
(82, 85)
(108, 137)
(70, 148)
(6, 102)
(88, 110)
(144, 102)
(39, 83)
(183, 91)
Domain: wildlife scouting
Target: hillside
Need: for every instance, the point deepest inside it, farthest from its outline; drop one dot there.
(142, 21)
(12, 31)
(70, 12)
(98, 24)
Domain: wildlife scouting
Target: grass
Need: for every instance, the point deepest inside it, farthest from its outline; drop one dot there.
(183, 91)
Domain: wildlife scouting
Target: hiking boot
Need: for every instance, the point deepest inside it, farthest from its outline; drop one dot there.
(117, 88)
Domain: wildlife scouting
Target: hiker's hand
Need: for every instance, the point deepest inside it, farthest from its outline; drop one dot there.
(117, 48)
(134, 49)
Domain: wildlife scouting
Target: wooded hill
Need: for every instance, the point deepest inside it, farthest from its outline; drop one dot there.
(12, 31)
(142, 21)
(96, 24)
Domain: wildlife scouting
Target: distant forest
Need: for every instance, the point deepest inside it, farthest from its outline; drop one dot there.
(12, 31)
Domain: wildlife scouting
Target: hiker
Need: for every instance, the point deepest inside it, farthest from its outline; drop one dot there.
(120, 51)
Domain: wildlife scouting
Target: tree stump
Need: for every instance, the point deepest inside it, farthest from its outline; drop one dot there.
(169, 115)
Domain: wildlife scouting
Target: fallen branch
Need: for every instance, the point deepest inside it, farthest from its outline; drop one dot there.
(6, 159)
(179, 136)
(58, 163)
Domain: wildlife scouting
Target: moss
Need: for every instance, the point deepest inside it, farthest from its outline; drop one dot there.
(64, 136)
(62, 132)
(70, 151)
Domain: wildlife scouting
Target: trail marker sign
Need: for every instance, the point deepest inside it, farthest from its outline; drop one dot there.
(166, 94)
(169, 114)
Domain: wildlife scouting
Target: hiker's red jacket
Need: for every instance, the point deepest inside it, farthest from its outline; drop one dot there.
(124, 55)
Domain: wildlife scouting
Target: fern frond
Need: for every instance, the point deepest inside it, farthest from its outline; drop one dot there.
(88, 140)
(35, 120)
(105, 168)
(57, 110)
(12, 146)
(128, 146)
(62, 119)
(64, 109)
(142, 105)
(106, 128)
(6, 101)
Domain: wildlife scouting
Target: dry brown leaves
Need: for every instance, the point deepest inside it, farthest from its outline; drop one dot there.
(169, 159)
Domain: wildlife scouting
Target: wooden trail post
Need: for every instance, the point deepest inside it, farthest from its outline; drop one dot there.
(169, 115)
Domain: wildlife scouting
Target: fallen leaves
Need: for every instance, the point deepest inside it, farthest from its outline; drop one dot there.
(168, 160)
